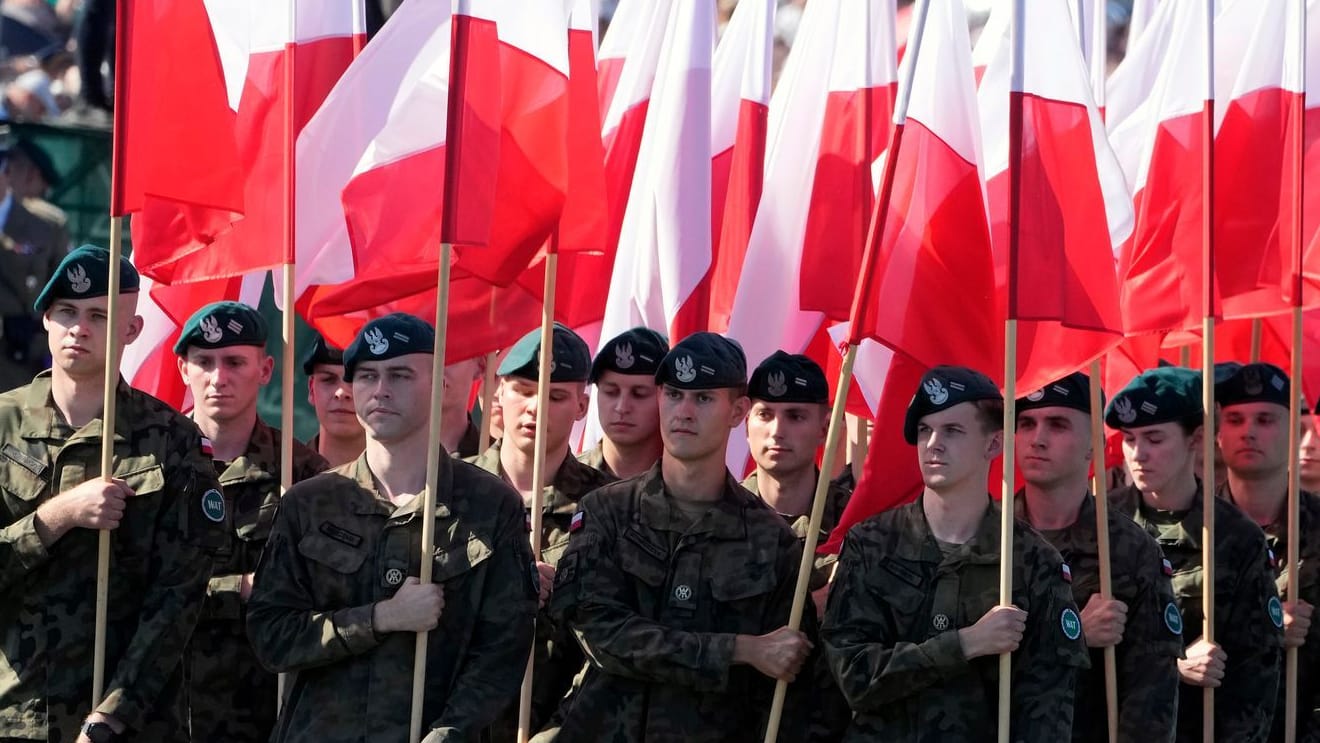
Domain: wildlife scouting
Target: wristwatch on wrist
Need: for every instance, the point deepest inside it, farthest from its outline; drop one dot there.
(99, 732)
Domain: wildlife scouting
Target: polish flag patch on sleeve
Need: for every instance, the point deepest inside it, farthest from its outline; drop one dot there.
(1167, 566)
(576, 523)
(207, 449)
(1067, 573)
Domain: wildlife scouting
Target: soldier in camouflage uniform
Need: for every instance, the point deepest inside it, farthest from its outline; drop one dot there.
(336, 601)
(1159, 415)
(1141, 620)
(458, 432)
(558, 657)
(339, 438)
(912, 628)
(223, 360)
(678, 583)
(164, 508)
(1253, 436)
(627, 403)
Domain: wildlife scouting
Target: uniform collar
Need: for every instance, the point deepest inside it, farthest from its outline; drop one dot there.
(360, 472)
(42, 420)
(918, 543)
(1186, 531)
(259, 461)
(723, 521)
(1085, 514)
(567, 477)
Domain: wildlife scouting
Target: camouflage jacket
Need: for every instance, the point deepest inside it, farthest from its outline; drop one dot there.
(230, 696)
(1245, 599)
(657, 607)
(337, 548)
(595, 459)
(836, 499)
(891, 633)
(160, 560)
(1147, 663)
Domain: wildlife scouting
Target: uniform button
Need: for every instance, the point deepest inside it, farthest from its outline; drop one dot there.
(940, 622)
(394, 576)
(683, 593)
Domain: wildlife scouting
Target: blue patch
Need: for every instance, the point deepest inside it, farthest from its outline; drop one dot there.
(213, 506)
(1071, 624)
(1275, 608)
(1173, 619)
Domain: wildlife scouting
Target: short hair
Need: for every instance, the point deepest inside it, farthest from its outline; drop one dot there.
(991, 415)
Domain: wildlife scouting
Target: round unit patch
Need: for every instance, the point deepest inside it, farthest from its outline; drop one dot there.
(1276, 611)
(394, 576)
(1173, 619)
(940, 622)
(1071, 624)
(683, 593)
(213, 505)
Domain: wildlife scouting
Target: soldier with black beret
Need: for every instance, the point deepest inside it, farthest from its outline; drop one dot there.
(913, 627)
(1159, 414)
(1141, 619)
(339, 437)
(223, 361)
(627, 403)
(679, 583)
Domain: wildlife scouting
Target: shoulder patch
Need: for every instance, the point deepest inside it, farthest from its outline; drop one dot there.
(1275, 608)
(576, 522)
(1070, 623)
(1173, 619)
(206, 447)
(1067, 573)
(1167, 567)
(213, 505)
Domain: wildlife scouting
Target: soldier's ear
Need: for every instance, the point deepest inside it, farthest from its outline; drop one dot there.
(133, 330)
(995, 446)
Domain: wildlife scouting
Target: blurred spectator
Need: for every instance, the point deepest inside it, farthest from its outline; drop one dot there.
(31, 172)
(96, 52)
(29, 98)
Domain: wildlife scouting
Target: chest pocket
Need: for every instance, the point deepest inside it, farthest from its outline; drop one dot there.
(336, 557)
(459, 559)
(739, 591)
(22, 483)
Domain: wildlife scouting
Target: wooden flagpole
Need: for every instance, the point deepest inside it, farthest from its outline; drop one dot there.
(1208, 362)
(1257, 331)
(1296, 26)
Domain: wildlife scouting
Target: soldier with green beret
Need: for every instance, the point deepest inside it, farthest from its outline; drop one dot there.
(163, 506)
(1253, 436)
(1159, 414)
(1141, 619)
(627, 403)
(336, 601)
(223, 361)
(339, 437)
(679, 583)
(913, 628)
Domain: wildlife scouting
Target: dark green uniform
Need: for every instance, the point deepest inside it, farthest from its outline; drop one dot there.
(230, 696)
(337, 548)
(33, 241)
(160, 561)
(891, 633)
(1147, 666)
(836, 499)
(595, 458)
(1245, 600)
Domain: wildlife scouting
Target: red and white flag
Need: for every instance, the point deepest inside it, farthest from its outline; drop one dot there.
(619, 38)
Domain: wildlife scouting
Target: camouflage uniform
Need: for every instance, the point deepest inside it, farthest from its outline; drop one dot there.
(558, 656)
(1244, 595)
(891, 633)
(1152, 639)
(337, 548)
(657, 606)
(230, 696)
(160, 560)
(470, 444)
(836, 499)
(595, 459)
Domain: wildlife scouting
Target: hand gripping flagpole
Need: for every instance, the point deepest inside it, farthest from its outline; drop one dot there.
(1297, 25)
(874, 234)
(1208, 361)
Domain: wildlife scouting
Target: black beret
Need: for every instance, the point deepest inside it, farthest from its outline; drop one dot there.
(1073, 391)
(786, 377)
(637, 351)
(388, 337)
(704, 361)
(570, 359)
(1257, 382)
(942, 388)
(1160, 395)
(220, 325)
(321, 353)
(85, 273)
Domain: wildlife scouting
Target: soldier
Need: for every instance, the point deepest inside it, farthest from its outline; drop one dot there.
(32, 173)
(1141, 621)
(339, 438)
(459, 434)
(163, 505)
(558, 657)
(1159, 415)
(1253, 435)
(678, 583)
(627, 404)
(336, 601)
(913, 627)
(1309, 454)
(223, 361)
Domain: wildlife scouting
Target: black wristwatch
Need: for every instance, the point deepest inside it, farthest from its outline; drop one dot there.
(99, 732)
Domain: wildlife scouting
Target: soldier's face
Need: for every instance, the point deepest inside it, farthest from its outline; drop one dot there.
(225, 381)
(628, 406)
(1053, 445)
(1159, 456)
(459, 377)
(568, 404)
(333, 399)
(1253, 438)
(954, 448)
(76, 332)
(1309, 459)
(393, 396)
(784, 436)
(695, 424)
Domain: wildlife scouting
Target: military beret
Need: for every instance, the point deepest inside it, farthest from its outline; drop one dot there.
(321, 353)
(1257, 382)
(388, 337)
(637, 351)
(39, 158)
(1073, 391)
(704, 361)
(1161, 395)
(85, 273)
(785, 377)
(570, 359)
(221, 325)
(942, 388)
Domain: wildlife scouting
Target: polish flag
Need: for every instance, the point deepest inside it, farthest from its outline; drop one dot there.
(1142, 13)
(619, 38)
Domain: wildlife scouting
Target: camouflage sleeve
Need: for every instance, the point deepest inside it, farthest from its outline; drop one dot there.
(21, 551)
(872, 666)
(1252, 640)
(1045, 665)
(1147, 658)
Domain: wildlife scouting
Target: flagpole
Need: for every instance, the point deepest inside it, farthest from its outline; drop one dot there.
(1298, 153)
(859, 447)
(1208, 362)
(487, 402)
(1257, 331)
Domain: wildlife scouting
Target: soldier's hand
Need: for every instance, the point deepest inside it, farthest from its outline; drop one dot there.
(999, 631)
(95, 504)
(1296, 623)
(413, 608)
(779, 654)
(1204, 664)
(547, 573)
(1103, 621)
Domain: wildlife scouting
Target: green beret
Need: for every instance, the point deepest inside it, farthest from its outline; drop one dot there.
(1161, 395)
(388, 337)
(570, 359)
(39, 159)
(321, 353)
(1256, 382)
(704, 361)
(942, 388)
(786, 377)
(1073, 391)
(221, 325)
(637, 351)
(85, 273)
